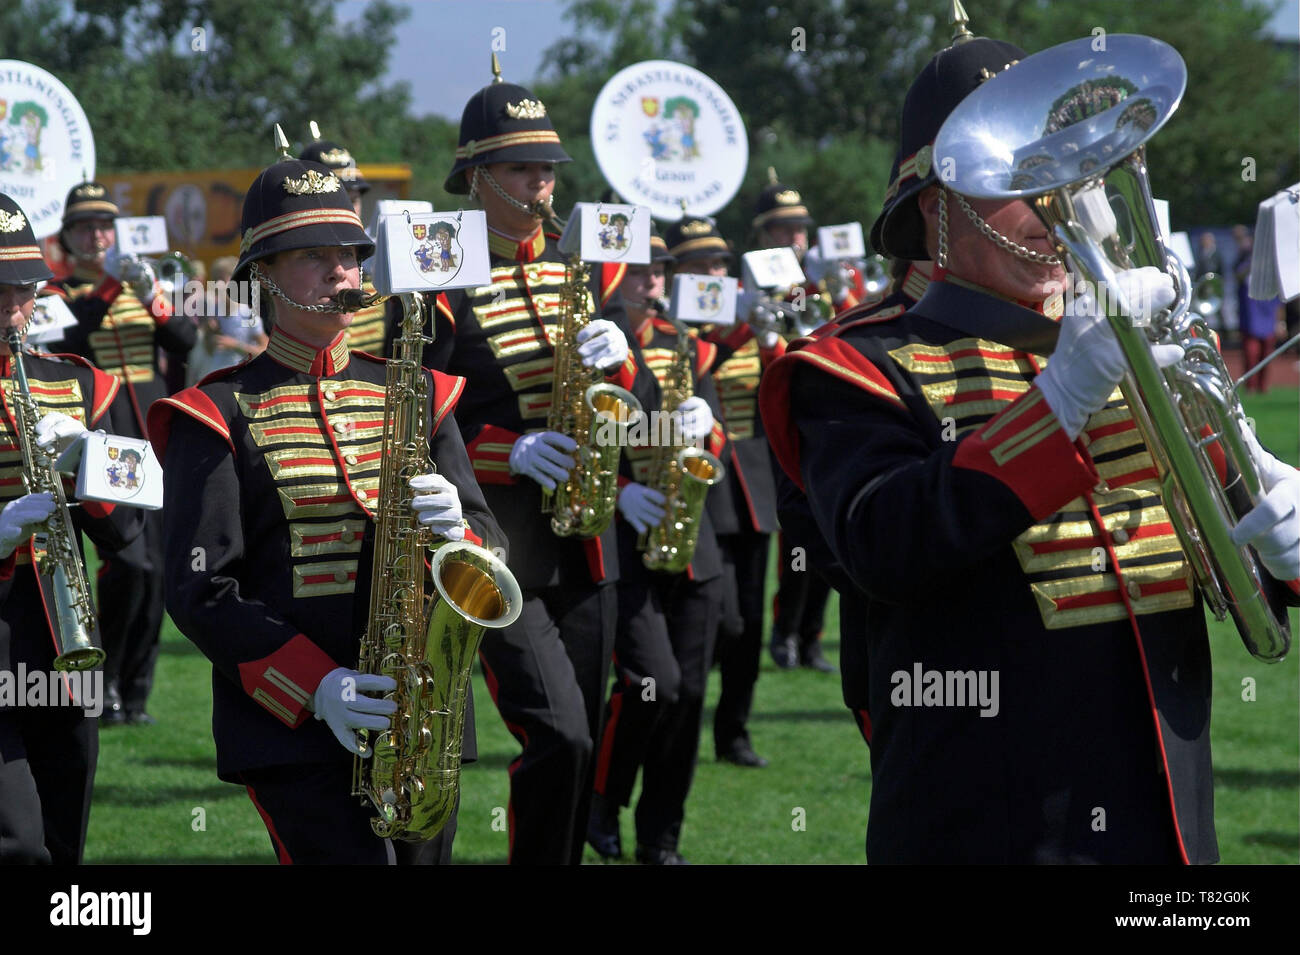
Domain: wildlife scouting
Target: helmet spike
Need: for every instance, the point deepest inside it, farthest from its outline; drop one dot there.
(496, 70)
(314, 130)
(771, 176)
(282, 142)
(960, 22)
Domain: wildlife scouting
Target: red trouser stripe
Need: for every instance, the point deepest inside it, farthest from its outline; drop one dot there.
(280, 848)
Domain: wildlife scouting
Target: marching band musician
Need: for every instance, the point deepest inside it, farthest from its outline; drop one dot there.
(1093, 744)
(667, 622)
(743, 507)
(373, 326)
(781, 220)
(547, 671)
(48, 752)
(121, 324)
(272, 469)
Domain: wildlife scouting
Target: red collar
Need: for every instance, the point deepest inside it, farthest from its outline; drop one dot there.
(525, 251)
(300, 356)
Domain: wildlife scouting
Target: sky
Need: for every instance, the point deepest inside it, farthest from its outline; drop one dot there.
(457, 35)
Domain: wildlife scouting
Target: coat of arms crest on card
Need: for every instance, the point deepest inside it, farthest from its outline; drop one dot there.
(436, 250)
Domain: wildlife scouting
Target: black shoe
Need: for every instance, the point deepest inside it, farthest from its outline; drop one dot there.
(648, 855)
(140, 718)
(740, 753)
(113, 713)
(602, 829)
(784, 652)
(810, 658)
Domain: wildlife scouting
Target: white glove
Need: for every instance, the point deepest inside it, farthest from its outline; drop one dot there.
(56, 432)
(643, 507)
(694, 418)
(20, 517)
(1273, 526)
(344, 708)
(602, 344)
(437, 505)
(1088, 363)
(544, 457)
(130, 270)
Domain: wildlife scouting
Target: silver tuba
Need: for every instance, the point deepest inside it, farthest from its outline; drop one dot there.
(1065, 130)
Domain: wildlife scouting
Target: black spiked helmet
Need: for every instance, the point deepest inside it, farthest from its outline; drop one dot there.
(337, 158)
(297, 204)
(779, 204)
(945, 81)
(21, 262)
(695, 237)
(503, 122)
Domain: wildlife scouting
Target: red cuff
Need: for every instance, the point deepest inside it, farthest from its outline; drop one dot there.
(1024, 447)
(8, 564)
(285, 681)
(717, 439)
(472, 537)
(595, 558)
(625, 375)
(97, 509)
(623, 481)
(489, 454)
(1293, 584)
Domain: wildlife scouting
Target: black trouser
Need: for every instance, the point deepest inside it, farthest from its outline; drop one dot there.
(666, 629)
(547, 673)
(47, 772)
(744, 558)
(799, 607)
(130, 614)
(313, 819)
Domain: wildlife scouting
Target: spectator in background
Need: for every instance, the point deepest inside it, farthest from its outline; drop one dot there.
(229, 332)
(1208, 258)
(1258, 321)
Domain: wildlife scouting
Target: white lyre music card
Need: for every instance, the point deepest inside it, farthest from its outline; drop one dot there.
(842, 241)
(704, 299)
(431, 251)
(142, 235)
(771, 268)
(115, 470)
(50, 317)
(608, 232)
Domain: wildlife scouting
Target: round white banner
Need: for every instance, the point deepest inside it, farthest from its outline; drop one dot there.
(664, 132)
(46, 146)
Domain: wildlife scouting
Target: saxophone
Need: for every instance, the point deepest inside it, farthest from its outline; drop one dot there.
(74, 612)
(595, 414)
(683, 475)
(411, 772)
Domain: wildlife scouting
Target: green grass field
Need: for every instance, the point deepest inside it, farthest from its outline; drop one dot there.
(153, 781)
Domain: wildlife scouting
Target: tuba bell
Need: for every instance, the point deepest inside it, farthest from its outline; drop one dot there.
(1065, 130)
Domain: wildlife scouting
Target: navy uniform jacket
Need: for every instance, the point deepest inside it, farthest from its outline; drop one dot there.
(985, 541)
(72, 386)
(658, 341)
(272, 474)
(497, 337)
(746, 501)
(122, 337)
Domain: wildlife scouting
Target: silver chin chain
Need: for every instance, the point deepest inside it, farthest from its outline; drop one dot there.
(259, 275)
(990, 233)
(496, 187)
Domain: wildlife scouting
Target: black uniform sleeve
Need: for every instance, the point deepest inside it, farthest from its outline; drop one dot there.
(204, 554)
(448, 452)
(176, 334)
(900, 511)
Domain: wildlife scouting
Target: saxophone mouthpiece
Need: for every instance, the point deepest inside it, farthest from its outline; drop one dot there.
(353, 299)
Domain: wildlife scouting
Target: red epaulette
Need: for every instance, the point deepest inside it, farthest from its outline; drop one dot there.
(445, 307)
(192, 402)
(705, 355)
(611, 277)
(447, 390)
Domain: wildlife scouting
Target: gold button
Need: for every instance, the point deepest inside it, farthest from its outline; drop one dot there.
(331, 395)
(362, 495)
(340, 426)
(1101, 488)
(1120, 536)
(1134, 589)
(350, 458)
(340, 576)
(348, 537)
